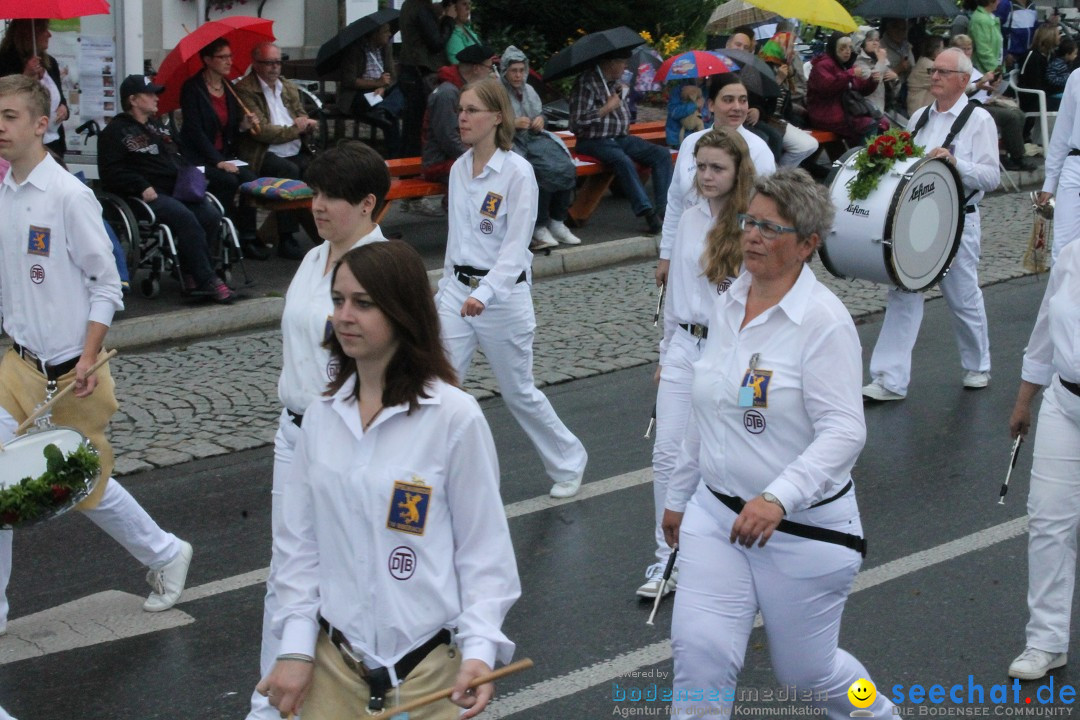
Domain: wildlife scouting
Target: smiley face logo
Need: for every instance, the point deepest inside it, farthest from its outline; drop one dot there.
(862, 693)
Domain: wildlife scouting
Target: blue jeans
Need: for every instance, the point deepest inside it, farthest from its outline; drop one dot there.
(619, 153)
(191, 224)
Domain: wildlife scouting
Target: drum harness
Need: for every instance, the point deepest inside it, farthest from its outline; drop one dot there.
(957, 126)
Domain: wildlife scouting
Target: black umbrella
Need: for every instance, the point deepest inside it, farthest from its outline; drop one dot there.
(333, 50)
(908, 9)
(588, 50)
(754, 72)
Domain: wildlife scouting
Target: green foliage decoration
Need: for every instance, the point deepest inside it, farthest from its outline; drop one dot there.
(34, 499)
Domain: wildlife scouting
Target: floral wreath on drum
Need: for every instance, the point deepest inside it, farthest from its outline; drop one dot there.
(878, 158)
(65, 479)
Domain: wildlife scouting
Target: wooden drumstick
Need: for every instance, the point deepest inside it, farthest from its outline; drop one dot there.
(254, 122)
(43, 408)
(514, 667)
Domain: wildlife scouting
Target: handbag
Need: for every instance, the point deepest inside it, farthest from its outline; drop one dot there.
(856, 104)
(190, 184)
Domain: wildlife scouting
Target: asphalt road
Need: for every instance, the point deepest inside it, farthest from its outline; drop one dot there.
(940, 597)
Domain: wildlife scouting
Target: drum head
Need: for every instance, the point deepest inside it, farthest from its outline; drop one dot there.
(24, 456)
(925, 223)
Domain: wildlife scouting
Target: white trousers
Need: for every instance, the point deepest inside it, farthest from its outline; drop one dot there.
(798, 145)
(1066, 206)
(504, 331)
(4, 715)
(721, 588)
(1053, 517)
(673, 406)
(118, 514)
(890, 362)
(288, 434)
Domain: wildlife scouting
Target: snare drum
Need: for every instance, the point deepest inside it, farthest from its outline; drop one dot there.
(907, 231)
(24, 457)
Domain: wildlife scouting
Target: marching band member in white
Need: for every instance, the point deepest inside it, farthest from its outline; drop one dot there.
(729, 104)
(974, 154)
(350, 182)
(484, 295)
(705, 260)
(1062, 170)
(59, 290)
(393, 529)
(1052, 360)
(777, 426)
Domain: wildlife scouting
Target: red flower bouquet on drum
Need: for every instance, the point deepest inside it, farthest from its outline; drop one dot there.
(878, 158)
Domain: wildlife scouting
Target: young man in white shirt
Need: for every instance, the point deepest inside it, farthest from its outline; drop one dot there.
(59, 289)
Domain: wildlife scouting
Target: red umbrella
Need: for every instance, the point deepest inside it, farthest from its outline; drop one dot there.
(52, 9)
(243, 34)
(690, 66)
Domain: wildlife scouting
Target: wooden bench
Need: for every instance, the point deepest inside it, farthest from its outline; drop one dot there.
(833, 145)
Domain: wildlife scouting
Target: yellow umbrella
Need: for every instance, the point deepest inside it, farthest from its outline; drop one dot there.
(826, 13)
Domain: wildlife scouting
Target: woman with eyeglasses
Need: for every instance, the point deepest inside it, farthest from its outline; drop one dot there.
(761, 504)
(484, 296)
(834, 72)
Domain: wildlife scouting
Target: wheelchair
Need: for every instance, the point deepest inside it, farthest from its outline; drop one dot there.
(150, 248)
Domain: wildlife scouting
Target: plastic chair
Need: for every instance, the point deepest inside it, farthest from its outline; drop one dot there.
(1043, 115)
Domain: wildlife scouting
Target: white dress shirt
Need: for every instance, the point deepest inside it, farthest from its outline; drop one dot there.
(279, 115)
(1066, 135)
(350, 552)
(682, 193)
(57, 270)
(689, 296)
(1054, 346)
(491, 222)
(975, 147)
(305, 324)
(802, 436)
(52, 132)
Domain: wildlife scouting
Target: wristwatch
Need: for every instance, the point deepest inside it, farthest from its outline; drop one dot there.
(769, 497)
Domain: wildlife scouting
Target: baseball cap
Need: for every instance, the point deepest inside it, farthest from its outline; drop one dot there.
(135, 84)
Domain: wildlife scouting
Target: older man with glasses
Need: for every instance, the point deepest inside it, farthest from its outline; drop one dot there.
(275, 147)
(963, 135)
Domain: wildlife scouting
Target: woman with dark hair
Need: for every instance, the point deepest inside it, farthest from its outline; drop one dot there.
(484, 296)
(705, 259)
(23, 52)
(213, 121)
(832, 75)
(368, 68)
(1033, 70)
(393, 529)
(350, 181)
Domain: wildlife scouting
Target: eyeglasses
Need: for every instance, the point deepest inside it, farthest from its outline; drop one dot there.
(942, 71)
(274, 63)
(768, 230)
(470, 111)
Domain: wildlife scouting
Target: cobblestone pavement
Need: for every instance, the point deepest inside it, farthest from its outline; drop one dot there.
(218, 396)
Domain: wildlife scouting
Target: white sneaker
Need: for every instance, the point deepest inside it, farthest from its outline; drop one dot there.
(1034, 663)
(976, 380)
(542, 239)
(562, 233)
(426, 206)
(654, 575)
(1031, 149)
(168, 581)
(566, 488)
(877, 391)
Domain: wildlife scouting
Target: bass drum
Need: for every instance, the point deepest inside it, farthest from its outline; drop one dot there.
(906, 233)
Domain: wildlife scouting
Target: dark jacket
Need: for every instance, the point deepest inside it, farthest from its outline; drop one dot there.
(201, 124)
(352, 69)
(1033, 77)
(423, 38)
(440, 135)
(12, 64)
(133, 156)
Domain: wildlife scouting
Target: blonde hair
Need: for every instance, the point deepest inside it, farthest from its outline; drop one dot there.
(493, 96)
(722, 257)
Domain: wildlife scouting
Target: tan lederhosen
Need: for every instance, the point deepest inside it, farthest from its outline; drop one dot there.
(22, 388)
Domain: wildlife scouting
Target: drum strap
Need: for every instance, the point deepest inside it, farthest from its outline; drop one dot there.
(957, 126)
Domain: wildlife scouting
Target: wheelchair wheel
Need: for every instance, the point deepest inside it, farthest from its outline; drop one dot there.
(118, 214)
(150, 287)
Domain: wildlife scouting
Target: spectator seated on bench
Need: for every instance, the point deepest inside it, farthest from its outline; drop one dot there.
(367, 74)
(833, 74)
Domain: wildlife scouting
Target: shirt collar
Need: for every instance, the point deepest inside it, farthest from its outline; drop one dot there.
(275, 88)
(793, 304)
(954, 111)
(322, 250)
(495, 163)
(39, 177)
(344, 403)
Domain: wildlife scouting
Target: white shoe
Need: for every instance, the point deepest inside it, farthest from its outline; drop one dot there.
(877, 391)
(426, 206)
(542, 239)
(168, 581)
(1031, 149)
(562, 233)
(1034, 663)
(566, 488)
(975, 380)
(654, 576)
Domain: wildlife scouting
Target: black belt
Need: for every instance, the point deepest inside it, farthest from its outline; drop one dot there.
(1070, 386)
(468, 275)
(297, 418)
(810, 532)
(52, 372)
(968, 209)
(1074, 151)
(378, 679)
(698, 331)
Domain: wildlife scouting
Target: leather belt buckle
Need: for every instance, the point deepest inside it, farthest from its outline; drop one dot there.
(352, 660)
(474, 282)
(697, 331)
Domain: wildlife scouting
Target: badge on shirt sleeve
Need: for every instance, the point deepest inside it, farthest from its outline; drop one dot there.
(39, 240)
(409, 506)
(755, 389)
(490, 206)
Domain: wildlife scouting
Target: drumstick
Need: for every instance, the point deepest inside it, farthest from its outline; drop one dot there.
(523, 664)
(1012, 464)
(41, 409)
(254, 122)
(663, 583)
(659, 302)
